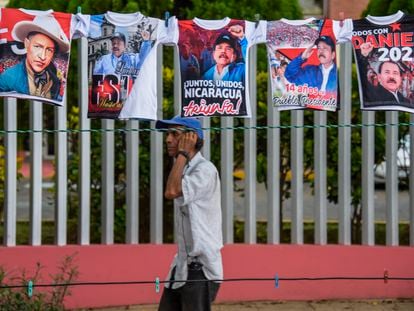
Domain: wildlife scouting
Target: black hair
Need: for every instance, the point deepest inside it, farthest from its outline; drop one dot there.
(199, 144)
(392, 62)
(283, 63)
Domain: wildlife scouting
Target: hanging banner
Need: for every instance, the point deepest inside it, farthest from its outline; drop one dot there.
(302, 60)
(119, 45)
(34, 54)
(384, 55)
(213, 66)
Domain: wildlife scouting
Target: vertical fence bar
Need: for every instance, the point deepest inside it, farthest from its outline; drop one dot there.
(157, 167)
(391, 186)
(368, 189)
(84, 179)
(344, 138)
(206, 151)
(107, 194)
(320, 178)
(227, 188)
(273, 169)
(296, 164)
(132, 186)
(10, 186)
(36, 125)
(250, 152)
(177, 96)
(61, 156)
(411, 181)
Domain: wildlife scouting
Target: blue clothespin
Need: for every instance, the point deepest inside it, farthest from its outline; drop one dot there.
(30, 289)
(157, 284)
(79, 9)
(167, 16)
(277, 280)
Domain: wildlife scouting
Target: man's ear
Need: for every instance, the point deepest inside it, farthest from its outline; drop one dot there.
(26, 43)
(199, 144)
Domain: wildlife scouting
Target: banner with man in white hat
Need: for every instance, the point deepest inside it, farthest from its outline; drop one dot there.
(34, 54)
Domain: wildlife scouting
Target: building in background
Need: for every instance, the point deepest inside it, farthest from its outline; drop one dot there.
(332, 8)
(312, 8)
(351, 8)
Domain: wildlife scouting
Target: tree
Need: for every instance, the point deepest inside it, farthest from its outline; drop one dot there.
(386, 7)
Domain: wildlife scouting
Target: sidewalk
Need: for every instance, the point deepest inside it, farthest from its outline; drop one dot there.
(23, 188)
(359, 305)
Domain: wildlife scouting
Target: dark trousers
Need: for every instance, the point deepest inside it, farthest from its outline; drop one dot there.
(192, 296)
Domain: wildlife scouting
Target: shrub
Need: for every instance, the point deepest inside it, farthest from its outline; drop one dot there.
(18, 295)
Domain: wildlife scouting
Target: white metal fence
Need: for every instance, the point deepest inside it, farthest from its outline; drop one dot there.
(227, 164)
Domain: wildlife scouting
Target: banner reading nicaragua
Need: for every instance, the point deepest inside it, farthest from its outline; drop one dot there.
(119, 45)
(34, 53)
(213, 57)
(302, 62)
(384, 55)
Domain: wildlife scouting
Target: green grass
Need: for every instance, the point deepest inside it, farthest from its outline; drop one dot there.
(309, 238)
(48, 233)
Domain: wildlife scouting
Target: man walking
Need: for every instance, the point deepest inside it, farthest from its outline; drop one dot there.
(194, 184)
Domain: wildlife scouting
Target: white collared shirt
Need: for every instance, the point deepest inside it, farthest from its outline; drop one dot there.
(395, 93)
(325, 75)
(198, 221)
(218, 76)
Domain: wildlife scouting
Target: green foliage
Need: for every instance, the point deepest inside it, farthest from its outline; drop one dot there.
(309, 229)
(48, 232)
(387, 7)
(3, 175)
(154, 8)
(18, 298)
(244, 9)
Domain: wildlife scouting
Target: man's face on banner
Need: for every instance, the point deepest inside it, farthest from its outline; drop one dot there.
(118, 46)
(185, 50)
(224, 54)
(40, 51)
(325, 53)
(390, 76)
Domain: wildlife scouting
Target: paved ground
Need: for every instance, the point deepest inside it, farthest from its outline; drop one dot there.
(365, 305)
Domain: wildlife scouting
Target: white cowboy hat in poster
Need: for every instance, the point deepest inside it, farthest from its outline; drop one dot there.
(34, 55)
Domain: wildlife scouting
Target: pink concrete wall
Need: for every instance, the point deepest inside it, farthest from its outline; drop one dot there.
(99, 263)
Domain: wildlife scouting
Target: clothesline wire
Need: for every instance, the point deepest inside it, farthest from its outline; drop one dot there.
(276, 278)
(257, 127)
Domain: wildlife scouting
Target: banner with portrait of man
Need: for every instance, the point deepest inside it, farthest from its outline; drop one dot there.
(214, 75)
(118, 47)
(384, 53)
(302, 61)
(34, 53)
